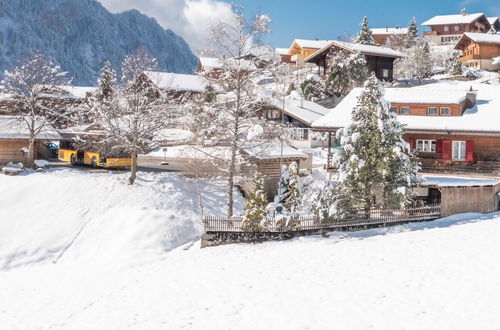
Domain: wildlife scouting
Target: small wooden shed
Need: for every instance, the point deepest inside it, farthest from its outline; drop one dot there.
(462, 195)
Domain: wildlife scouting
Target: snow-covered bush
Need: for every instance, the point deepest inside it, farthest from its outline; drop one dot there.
(255, 206)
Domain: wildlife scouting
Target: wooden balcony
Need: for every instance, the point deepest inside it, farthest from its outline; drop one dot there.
(468, 58)
(430, 33)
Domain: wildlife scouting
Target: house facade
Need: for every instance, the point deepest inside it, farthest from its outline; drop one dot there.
(379, 60)
(302, 48)
(382, 35)
(479, 50)
(447, 29)
(464, 140)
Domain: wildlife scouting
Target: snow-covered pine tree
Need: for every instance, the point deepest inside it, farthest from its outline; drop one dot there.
(292, 201)
(283, 183)
(401, 174)
(29, 84)
(346, 72)
(105, 83)
(255, 205)
(364, 35)
(312, 89)
(453, 64)
(417, 64)
(360, 162)
(412, 35)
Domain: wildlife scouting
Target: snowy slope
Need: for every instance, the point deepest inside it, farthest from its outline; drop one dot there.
(70, 216)
(441, 275)
(82, 34)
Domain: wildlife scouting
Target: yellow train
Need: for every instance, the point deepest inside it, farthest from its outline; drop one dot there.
(94, 159)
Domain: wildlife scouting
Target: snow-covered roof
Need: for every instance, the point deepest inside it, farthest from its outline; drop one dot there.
(492, 20)
(78, 92)
(12, 128)
(354, 47)
(210, 63)
(282, 51)
(484, 117)
(456, 181)
(389, 31)
(177, 81)
(452, 19)
(481, 38)
(314, 44)
(302, 110)
(271, 150)
(425, 96)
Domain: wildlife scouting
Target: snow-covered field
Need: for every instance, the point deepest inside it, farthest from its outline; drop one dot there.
(137, 265)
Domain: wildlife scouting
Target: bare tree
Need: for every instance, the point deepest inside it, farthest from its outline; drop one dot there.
(29, 85)
(242, 62)
(134, 114)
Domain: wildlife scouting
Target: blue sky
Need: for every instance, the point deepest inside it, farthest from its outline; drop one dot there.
(328, 19)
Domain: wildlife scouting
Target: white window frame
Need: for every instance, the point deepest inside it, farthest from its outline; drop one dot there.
(402, 113)
(461, 150)
(393, 109)
(429, 111)
(456, 28)
(426, 146)
(441, 111)
(385, 73)
(446, 28)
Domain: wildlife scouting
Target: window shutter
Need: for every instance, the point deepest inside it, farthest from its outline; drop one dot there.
(439, 146)
(469, 149)
(412, 145)
(446, 150)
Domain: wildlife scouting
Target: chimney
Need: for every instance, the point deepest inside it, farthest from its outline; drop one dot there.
(471, 98)
(464, 12)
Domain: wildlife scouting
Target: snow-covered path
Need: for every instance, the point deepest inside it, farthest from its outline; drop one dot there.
(442, 275)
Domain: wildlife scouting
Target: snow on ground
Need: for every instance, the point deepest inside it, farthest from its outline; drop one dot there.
(68, 215)
(441, 275)
(82, 250)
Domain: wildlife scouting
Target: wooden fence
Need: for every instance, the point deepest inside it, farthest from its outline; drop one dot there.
(311, 223)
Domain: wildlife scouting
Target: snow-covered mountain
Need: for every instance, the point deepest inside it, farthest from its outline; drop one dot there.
(82, 34)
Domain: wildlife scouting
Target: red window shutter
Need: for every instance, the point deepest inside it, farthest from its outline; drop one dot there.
(446, 150)
(412, 145)
(469, 150)
(439, 146)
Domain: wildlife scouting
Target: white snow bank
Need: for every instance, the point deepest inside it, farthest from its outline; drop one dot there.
(440, 275)
(70, 216)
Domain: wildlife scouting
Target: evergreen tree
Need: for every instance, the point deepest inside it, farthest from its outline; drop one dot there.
(346, 72)
(412, 35)
(255, 206)
(105, 89)
(453, 65)
(364, 35)
(311, 89)
(293, 200)
(417, 64)
(209, 95)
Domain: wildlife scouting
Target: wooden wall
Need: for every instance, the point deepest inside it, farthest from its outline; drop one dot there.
(10, 151)
(456, 200)
(422, 109)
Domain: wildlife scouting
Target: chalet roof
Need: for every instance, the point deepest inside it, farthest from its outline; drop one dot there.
(425, 96)
(389, 31)
(481, 38)
(304, 111)
(282, 51)
(484, 117)
(354, 47)
(211, 63)
(12, 128)
(492, 20)
(77, 92)
(177, 82)
(453, 19)
(314, 44)
(271, 150)
(457, 181)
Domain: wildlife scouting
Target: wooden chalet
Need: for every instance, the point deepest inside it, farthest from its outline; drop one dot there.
(382, 35)
(447, 29)
(379, 59)
(179, 86)
(213, 67)
(479, 50)
(14, 140)
(450, 133)
(285, 56)
(302, 48)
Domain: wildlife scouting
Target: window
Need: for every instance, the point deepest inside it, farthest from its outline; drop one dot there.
(273, 114)
(404, 111)
(445, 112)
(432, 111)
(457, 27)
(385, 73)
(446, 28)
(426, 145)
(394, 110)
(458, 150)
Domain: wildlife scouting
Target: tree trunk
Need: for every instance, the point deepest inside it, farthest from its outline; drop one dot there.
(133, 168)
(31, 152)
